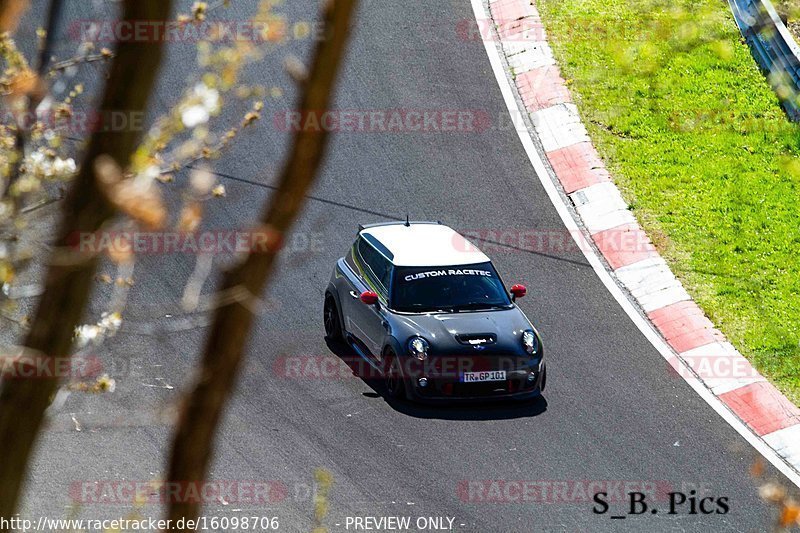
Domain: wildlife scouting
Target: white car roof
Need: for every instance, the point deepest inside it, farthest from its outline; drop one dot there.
(425, 244)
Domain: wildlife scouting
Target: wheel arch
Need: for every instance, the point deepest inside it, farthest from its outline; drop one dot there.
(396, 346)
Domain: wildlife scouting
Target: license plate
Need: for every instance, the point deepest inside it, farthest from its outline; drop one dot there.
(480, 377)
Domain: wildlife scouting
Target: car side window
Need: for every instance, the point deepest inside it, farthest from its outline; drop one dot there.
(387, 275)
(375, 266)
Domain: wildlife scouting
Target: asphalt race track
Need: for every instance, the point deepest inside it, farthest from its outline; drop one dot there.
(613, 410)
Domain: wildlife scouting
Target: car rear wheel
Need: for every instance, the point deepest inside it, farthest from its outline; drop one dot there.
(393, 377)
(333, 329)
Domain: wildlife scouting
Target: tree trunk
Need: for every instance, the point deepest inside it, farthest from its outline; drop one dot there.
(192, 447)
(67, 286)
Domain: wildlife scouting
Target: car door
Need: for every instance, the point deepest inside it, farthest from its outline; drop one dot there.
(367, 322)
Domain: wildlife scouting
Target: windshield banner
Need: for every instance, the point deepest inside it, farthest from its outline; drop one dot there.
(450, 272)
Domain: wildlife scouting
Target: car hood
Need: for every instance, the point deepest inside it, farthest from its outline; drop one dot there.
(442, 330)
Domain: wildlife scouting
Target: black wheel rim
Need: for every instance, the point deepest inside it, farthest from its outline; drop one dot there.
(393, 378)
(330, 318)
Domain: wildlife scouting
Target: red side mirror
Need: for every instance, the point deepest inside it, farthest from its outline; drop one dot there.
(369, 297)
(518, 291)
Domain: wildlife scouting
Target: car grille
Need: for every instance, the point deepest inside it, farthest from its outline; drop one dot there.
(473, 339)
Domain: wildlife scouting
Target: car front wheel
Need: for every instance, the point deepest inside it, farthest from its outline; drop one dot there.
(544, 378)
(333, 329)
(393, 377)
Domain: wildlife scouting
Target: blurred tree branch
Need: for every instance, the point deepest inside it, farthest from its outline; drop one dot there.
(67, 284)
(34, 96)
(11, 12)
(193, 443)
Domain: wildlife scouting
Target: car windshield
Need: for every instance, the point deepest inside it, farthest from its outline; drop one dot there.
(450, 289)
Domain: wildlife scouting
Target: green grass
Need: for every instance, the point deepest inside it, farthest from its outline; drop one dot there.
(695, 139)
(787, 9)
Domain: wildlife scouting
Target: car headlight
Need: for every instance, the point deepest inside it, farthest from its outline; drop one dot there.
(530, 342)
(418, 347)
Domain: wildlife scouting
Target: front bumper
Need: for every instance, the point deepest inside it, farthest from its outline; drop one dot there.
(524, 379)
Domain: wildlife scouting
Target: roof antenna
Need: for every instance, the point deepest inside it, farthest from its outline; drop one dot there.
(408, 224)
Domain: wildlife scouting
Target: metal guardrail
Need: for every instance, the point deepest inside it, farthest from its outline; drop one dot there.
(773, 48)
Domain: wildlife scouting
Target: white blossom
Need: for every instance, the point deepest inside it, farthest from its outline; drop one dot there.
(86, 334)
(194, 116)
(151, 173)
(205, 102)
(110, 322)
(44, 166)
(64, 167)
(108, 326)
